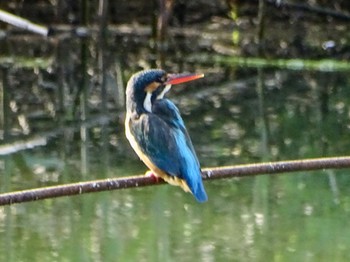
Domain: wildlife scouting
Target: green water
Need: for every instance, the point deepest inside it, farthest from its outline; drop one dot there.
(69, 93)
(294, 217)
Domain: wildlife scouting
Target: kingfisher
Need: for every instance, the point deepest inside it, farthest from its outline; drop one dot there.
(157, 133)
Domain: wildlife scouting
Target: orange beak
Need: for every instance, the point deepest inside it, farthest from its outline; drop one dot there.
(175, 79)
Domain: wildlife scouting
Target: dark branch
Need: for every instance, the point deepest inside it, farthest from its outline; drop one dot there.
(140, 181)
(277, 167)
(310, 8)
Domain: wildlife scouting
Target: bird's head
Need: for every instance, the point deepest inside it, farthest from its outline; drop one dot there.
(146, 86)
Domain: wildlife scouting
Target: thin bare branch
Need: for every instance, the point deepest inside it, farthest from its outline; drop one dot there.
(140, 181)
(23, 23)
(316, 9)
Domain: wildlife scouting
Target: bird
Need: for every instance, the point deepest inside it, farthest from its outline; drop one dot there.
(157, 133)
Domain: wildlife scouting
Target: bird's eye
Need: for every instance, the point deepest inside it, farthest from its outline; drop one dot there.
(162, 79)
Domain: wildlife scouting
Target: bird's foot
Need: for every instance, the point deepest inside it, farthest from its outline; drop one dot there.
(150, 173)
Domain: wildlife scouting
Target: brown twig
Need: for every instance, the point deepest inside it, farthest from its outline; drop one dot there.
(310, 8)
(140, 181)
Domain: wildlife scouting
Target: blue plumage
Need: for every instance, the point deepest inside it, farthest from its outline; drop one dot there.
(160, 137)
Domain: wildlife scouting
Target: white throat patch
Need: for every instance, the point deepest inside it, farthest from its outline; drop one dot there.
(165, 90)
(147, 104)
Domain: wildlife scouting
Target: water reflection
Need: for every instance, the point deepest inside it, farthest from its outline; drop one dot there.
(72, 115)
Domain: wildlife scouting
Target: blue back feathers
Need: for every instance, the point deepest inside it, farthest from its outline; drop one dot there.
(170, 149)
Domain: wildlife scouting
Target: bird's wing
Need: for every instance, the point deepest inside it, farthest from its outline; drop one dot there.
(168, 112)
(162, 136)
(157, 143)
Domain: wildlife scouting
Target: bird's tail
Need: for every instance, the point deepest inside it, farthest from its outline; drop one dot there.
(199, 192)
(196, 188)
